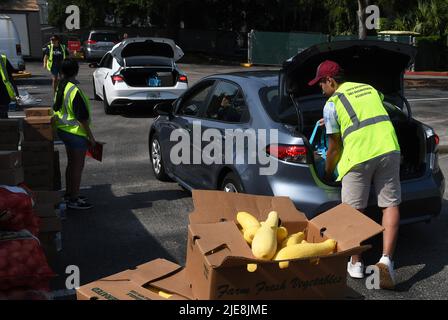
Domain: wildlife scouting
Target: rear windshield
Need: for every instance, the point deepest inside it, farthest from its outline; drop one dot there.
(104, 37)
(286, 112)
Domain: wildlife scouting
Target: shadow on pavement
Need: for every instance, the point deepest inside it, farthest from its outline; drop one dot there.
(109, 238)
(424, 244)
(421, 244)
(138, 113)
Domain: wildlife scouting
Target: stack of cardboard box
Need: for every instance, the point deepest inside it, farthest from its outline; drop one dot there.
(46, 207)
(40, 160)
(11, 170)
(218, 255)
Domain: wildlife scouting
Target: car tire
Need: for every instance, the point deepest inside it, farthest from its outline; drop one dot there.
(231, 183)
(108, 109)
(95, 96)
(156, 159)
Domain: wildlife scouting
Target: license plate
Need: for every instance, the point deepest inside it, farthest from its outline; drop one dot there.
(154, 95)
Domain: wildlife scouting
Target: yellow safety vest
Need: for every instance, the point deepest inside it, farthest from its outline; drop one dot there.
(65, 116)
(5, 78)
(366, 129)
(50, 57)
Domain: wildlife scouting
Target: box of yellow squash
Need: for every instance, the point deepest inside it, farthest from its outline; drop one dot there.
(156, 280)
(221, 264)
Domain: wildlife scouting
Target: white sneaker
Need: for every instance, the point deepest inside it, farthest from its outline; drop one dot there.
(387, 273)
(355, 270)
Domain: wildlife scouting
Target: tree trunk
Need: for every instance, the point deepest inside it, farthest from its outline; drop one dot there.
(362, 5)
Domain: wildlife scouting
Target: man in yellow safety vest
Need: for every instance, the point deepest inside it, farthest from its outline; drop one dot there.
(8, 89)
(364, 147)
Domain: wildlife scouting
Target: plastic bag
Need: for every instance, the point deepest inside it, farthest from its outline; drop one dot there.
(23, 264)
(16, 210)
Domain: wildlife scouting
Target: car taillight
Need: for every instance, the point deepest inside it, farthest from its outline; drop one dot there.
(289, 153)
(183, 79)
(19, 49)
(91, 41)
(117, 78)
(436, 139)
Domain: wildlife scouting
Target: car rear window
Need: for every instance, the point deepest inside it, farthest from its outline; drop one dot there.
(104, 37)
(311, 108)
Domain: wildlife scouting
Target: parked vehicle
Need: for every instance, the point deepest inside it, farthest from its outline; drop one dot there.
(139, 72)
(98, 43)
(284, 101)
(10, 42)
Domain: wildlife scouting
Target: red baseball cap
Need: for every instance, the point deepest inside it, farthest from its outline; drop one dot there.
(327, 68)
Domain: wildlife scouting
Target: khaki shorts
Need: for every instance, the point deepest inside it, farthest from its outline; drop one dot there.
(383, 172)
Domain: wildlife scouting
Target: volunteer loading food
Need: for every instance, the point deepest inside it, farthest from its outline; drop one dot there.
(364, 147)
(8, 89)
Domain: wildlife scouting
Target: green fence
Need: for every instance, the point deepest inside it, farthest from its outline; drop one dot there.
(272, 48)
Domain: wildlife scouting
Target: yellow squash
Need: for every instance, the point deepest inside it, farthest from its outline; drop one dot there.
(246, 220)
(293, 239)
(304, 250)
(264, 244)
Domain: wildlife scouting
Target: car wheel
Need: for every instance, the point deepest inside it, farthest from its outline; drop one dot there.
(107, 108)
(95, 96)
(232, 183)
(155, 155)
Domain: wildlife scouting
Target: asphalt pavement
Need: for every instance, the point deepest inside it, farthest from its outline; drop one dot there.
(137, 218)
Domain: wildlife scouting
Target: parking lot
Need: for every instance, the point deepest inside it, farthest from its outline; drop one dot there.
(137, 218)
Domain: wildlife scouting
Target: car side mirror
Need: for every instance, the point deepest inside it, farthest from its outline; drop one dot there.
(164, 109)
(94, 65)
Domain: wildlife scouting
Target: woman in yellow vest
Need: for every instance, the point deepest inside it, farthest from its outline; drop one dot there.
(72, 118)
(54, 54)
(364, 146)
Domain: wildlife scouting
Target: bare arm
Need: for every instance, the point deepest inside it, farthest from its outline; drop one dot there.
(45, 61)
(86, 127)
(333, 154)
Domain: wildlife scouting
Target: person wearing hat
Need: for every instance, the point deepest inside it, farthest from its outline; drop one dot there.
(364, 147)
(54, 54)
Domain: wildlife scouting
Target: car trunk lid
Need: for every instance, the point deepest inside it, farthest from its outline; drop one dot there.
(378, 63)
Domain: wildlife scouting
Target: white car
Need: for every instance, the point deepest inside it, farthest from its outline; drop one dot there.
(139, 72)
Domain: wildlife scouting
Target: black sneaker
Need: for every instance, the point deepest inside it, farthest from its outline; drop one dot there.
(83, 198)
(79, 205)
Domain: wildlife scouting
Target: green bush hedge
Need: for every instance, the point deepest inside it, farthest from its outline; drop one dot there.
(432, 54)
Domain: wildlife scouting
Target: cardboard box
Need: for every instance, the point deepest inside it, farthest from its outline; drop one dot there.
(9, 133)
(11, 177)
(47, 198)
(38, 129)
(57, 179)
(49, 243)
(38, 112)
(39, 177)
(10, 159)
(36, 153)
(217, 254)
(50, 224)
(141, 283)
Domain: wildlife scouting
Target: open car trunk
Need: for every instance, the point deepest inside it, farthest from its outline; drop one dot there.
(143, 71)
(410, 133)
(378, 63)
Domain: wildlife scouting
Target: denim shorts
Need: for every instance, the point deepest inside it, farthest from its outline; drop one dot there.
(73, 141)
(55, 71)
